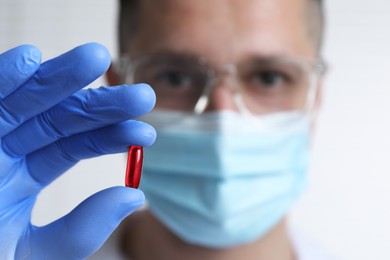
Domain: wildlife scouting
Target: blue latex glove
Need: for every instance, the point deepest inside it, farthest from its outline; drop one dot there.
(47, 124)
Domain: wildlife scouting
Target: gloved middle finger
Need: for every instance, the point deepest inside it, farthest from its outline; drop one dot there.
(54, 81)
(84, 111)
(48, 163)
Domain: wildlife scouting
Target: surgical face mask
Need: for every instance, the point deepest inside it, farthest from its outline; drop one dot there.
(218, 180)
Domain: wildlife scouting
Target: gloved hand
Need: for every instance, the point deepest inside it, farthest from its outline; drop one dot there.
(47, 124)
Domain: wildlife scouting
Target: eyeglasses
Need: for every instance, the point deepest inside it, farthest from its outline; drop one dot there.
(259, 86)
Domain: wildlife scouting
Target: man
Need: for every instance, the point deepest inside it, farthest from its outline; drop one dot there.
(236, 83)
(211, 64)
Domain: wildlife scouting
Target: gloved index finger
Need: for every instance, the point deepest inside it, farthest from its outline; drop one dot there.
(17, 66)
(84, 111)
(54, 81)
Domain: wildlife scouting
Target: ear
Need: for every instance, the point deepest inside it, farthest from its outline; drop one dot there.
(112, 76)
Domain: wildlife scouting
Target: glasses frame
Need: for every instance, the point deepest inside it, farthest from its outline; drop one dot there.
(315, 68)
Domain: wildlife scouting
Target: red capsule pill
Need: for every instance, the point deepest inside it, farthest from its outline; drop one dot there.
(134, 166)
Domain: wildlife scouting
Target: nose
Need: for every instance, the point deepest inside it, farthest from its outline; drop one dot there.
(223, 91)
(221, 97)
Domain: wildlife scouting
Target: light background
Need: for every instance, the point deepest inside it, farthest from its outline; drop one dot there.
(347, 206)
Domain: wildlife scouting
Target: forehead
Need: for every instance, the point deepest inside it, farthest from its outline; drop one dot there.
(223, 30)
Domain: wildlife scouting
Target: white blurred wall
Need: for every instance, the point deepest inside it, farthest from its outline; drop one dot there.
(347, 206)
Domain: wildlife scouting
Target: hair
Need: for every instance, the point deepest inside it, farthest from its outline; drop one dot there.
(128, 16)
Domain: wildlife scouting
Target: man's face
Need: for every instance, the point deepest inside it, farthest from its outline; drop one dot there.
(223, 31)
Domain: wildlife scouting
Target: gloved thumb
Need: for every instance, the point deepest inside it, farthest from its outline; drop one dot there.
(84, 230)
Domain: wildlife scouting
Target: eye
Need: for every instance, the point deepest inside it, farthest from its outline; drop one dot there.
(267, 78)
(172, 79)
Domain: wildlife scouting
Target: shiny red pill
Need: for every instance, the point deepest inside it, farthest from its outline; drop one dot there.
(134, 166)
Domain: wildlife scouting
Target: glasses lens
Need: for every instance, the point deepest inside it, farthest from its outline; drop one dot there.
(274, 86)
(177, 81)
(265, 85)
